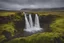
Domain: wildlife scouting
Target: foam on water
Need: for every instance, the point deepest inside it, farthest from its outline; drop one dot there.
(30, 26)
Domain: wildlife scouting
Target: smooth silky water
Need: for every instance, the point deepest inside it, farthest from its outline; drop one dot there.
(30, 26)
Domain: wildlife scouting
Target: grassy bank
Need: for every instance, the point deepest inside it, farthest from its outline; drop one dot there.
(14, 23)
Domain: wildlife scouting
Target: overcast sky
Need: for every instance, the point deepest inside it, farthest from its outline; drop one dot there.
(19, 4)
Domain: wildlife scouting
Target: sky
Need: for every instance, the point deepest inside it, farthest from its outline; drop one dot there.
(19, 4)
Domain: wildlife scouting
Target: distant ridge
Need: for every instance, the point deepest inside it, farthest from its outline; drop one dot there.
(37, 9)
(10, 10)
(42, 9)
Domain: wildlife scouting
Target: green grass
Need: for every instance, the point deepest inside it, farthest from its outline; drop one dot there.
(47, 37)
(38, 38)
(57, 27)
(6, 13)
(2, 37)
(8, 27)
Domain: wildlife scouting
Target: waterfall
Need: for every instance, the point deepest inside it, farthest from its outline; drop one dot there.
(29, 24)
(37, 21)
(30, 20)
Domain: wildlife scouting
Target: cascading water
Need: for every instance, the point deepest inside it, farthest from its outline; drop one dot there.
(30, 20)
(37, 21)
(29, 24)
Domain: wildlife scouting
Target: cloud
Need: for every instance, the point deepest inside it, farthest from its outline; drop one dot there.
(19, 4)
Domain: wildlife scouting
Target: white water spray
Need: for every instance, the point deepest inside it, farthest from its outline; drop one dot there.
(29, 24)
(30, 20)
(37, 21)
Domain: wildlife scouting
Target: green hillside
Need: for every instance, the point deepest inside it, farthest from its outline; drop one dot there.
(12, 27)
